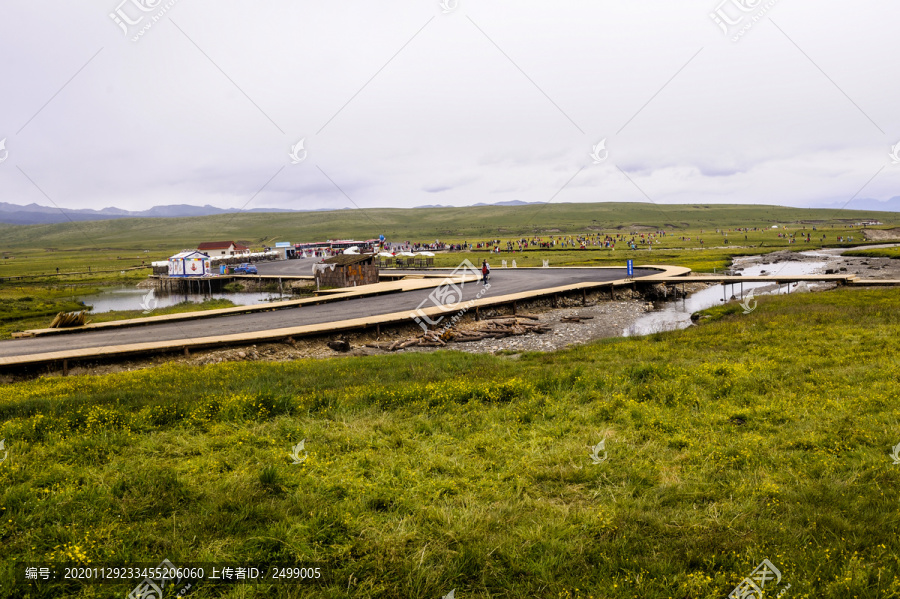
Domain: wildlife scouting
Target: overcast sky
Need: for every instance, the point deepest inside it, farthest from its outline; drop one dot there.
(410, 103)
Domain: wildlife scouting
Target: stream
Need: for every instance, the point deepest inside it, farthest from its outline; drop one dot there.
(676, 314)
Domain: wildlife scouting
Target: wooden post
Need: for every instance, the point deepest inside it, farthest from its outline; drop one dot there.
(476, 313)
(187, 353)
(65, 368)
(514, 307)
(583, 297)
(377, 330)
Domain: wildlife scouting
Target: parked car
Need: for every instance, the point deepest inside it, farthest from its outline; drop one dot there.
(245, 269)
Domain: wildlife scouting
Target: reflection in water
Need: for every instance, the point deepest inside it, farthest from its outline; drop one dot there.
(131, 298)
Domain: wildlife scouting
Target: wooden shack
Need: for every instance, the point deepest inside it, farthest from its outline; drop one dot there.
(347, 270)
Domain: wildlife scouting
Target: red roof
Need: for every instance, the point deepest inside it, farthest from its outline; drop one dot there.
(221, 245)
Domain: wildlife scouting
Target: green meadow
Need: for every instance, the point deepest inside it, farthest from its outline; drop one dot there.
(875, 253)
(162, 237)
(749, 437)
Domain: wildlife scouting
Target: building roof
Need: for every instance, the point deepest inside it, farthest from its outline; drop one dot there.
(348, 259)
(186, 254)
(220, 245)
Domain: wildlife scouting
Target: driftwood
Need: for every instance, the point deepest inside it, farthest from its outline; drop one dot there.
(497, 327)
(575, 318)
(514, 316)
(493, 328)
(69, 319)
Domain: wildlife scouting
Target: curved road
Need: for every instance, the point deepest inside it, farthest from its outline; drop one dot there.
(503, 282)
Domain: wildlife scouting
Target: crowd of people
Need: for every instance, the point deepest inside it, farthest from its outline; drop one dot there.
(562, 242)
(631, 240)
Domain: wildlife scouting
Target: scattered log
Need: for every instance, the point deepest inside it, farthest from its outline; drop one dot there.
(69, 319)
(498, 327)
(514, 316)
(575, 318)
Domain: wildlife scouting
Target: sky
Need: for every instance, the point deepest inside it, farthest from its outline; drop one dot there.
(313, 105)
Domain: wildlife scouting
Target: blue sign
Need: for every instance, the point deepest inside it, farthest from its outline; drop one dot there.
(630, 268)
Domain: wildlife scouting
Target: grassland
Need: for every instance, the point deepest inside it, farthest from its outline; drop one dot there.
(876, 253)
(159, 238)
(114, 245)
(749, 437)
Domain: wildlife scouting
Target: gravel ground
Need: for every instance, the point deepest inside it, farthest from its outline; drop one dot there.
(610, 319)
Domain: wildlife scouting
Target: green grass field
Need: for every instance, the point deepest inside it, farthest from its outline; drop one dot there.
(879, 253)
(765, 436)
(114, 245)
(135, 239)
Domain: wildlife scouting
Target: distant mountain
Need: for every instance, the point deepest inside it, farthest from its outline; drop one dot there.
(35, 214)
(508, 203)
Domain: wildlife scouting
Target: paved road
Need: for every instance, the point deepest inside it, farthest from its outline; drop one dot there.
(503, 282)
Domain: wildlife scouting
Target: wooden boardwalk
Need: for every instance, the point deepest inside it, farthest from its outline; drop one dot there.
(669, 275)
(716, 279)
(356, 324)
(334, 295)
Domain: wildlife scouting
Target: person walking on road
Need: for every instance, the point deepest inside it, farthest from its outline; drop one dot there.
(485, 271)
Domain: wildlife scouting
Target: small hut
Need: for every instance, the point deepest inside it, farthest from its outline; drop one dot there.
(347, 270)
(189, 263)
(285, 250)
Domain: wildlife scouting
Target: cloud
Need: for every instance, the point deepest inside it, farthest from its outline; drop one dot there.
(397, 103)
(438, 189)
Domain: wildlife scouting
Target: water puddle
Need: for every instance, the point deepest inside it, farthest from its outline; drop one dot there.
(132, 298)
